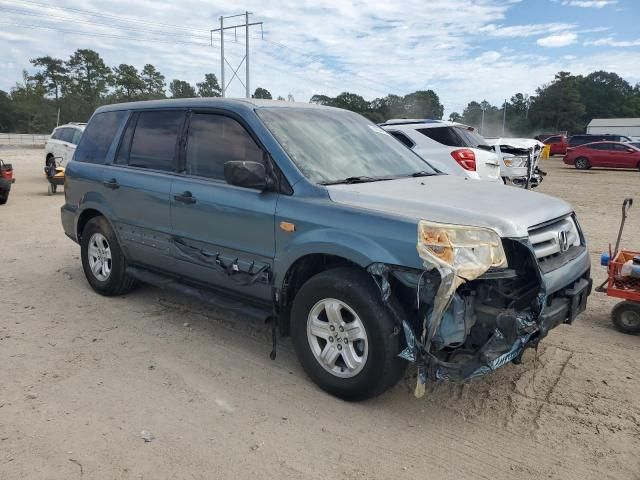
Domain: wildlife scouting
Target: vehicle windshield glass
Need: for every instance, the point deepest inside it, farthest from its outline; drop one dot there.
(455, 136)
(331, 145)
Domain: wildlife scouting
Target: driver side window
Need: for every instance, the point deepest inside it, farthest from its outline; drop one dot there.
(214, 140)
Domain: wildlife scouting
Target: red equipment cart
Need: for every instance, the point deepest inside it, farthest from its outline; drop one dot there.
(623, 282)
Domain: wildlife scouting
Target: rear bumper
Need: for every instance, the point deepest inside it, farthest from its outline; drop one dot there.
(68, 216)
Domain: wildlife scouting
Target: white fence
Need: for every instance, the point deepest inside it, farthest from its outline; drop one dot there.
(23, 139)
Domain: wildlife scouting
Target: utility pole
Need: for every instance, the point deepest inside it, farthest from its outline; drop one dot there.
(244, 60)
(504, 115)
(482, 121)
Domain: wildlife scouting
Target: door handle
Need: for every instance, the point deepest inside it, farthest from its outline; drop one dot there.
(112, 184)
(185, 197)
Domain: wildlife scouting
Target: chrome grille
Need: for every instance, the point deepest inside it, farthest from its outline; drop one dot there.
(553, 239)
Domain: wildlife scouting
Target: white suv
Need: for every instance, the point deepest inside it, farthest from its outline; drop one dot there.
(62, 143)
(451, 147)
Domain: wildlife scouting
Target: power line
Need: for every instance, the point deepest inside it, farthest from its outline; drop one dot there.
(103, 15)
(106, 35)
(85, 22)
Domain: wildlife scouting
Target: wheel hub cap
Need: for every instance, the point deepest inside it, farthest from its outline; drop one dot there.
(337, 338)
(99, 253)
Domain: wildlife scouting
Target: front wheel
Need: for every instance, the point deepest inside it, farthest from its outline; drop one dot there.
(102, 259)
(4, 196)
(626, 317)
(344, 336)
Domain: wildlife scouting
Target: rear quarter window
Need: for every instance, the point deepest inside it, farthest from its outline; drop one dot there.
(99, 136)
(455, 137)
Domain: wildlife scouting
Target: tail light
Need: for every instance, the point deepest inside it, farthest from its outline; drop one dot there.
(7, 173)
(465, 158)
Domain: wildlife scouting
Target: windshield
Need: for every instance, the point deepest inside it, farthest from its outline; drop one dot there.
(329, 146)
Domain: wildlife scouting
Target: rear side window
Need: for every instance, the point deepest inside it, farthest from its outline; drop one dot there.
(406, 141)
(98, 136)
(155, 140)
(66, 134)
(77, 135)
(214, 140)
(455, 137)
(620, 147)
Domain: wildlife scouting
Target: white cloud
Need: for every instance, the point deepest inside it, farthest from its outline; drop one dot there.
(589, 3)
(558, 40)
(612, 42)
(531, 30)
(463, 50)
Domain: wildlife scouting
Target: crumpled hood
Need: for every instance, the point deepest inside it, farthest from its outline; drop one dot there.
(451, 199)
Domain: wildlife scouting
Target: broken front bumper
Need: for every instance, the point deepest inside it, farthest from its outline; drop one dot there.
(560, 296)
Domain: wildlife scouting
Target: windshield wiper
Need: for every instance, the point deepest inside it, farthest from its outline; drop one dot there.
(422, 173)
(351, 180)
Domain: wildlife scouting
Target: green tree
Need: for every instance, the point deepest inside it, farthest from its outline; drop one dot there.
(281, 98)
(129, 85)
(455, 117)
(351, 101)
(558, 105)
(32, 111)
(154, 83)
(52, 74)
(210, 87)
(262, 93)
(423, 104)
(181, 89)
(319, 99)
(89, 77)
(605, 95)
(7, 114)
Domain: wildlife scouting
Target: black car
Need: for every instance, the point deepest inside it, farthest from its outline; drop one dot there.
(577, 140)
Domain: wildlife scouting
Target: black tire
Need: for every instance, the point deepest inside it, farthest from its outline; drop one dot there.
(626, 316)
(4, 196)
(582, 163)
(355, 288)
(117, 281)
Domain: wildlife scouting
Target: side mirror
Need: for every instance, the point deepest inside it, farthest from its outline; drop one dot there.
(246, 174)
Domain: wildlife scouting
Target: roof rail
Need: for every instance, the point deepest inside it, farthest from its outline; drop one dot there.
(408, 121)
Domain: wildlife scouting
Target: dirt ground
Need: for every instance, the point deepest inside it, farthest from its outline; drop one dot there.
(81, 376)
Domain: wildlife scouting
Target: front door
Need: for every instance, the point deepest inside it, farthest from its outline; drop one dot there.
(223, 234)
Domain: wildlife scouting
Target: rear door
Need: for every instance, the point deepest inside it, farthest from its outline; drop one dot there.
(65, 145)
(224, 235)
(603, 154)
(137, 185)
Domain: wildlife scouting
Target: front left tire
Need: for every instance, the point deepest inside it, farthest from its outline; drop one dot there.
(344, 336)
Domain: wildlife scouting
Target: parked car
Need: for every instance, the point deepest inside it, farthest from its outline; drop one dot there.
(520, 157)
(451, 147)
(6, 181)
(61, 145)
(557, 144)
(319, 219)
(577, 140)
(604, 154)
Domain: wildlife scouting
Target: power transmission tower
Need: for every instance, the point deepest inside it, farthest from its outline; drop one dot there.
(244, 60)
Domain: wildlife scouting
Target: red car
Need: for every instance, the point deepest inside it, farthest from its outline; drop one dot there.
(604, 154)
(557, 143)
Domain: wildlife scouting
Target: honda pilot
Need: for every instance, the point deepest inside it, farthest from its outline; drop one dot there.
(320, 220)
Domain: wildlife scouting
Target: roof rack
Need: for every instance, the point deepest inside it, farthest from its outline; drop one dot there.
(409, 121)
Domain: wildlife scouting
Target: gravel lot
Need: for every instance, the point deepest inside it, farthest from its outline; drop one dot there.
(81, 376)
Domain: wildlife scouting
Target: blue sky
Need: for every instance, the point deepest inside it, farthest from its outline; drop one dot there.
(463, 49)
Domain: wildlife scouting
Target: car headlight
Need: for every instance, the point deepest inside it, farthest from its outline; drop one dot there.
(469, 251)
(515, 161)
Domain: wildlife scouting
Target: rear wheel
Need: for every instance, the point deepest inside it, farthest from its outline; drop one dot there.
(4, 196)
(344, 336)
(582, 163)
(102, 259)
(626, 317)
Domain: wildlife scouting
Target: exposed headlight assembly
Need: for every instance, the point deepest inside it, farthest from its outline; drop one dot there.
(515, 161)
(469, 251)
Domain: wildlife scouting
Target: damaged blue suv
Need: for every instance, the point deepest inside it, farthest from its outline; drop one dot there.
(317, 218)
